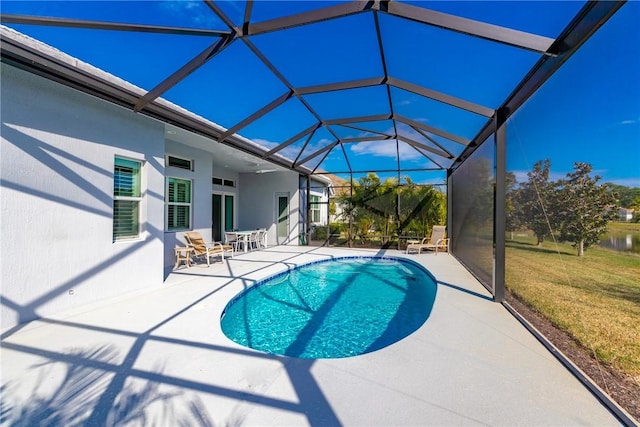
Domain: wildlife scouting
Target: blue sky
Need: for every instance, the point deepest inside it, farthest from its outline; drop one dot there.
(589, 111)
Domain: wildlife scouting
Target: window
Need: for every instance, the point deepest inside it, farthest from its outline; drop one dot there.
(224, 182)
(315, 208)
(126, 199)
(178, 204)
(177, 162)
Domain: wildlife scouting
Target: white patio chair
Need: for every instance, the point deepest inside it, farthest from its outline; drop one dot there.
(262, 238)
(438, 240)
(231, 239)
(253, 241)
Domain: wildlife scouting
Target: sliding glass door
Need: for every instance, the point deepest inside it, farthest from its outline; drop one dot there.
(222, 215)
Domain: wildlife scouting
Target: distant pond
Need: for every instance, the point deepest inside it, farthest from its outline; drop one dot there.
(622, 241)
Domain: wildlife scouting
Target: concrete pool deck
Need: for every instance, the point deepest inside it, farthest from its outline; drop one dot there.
(158, 357)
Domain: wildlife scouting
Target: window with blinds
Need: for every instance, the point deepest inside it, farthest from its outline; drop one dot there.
(178, 198)
(126, 199)
(314, 202)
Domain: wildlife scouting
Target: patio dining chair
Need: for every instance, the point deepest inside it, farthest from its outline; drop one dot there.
(254, 243)
(262, 238)
(204, 249)
(231, 239)
(438, 240)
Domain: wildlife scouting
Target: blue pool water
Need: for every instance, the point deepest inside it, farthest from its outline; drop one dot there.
(337, 308)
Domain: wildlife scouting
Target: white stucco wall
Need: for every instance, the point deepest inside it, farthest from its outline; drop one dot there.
(257, 203)
(56, 198)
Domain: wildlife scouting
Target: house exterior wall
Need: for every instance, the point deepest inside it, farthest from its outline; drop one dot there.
(56, 198)
(57, 153)
(257, 203)
(625, 214)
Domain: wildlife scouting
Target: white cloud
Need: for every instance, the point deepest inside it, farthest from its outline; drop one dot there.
(266, 143)
(627, 182)
(521, 175)
(292, 151)
(384, 149)
(196, 10)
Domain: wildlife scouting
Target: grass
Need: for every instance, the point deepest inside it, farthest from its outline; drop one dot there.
(595, 298)
(623, 227)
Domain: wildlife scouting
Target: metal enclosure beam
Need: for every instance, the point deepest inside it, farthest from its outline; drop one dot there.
(423, 147)
(431, 129)
(183, 72)
(441, 97)
(311, 17)
(291, 140)
(109, 26)
(316, 154)
(363, 129)
(330, 87)
(365, 139)
(520, 39)
(255, 116)
(358, 119)
(431, 140)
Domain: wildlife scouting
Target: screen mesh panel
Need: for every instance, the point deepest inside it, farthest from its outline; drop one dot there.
(472, 212)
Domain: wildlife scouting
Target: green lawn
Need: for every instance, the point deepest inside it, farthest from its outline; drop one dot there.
(618, 227)
(595, 298)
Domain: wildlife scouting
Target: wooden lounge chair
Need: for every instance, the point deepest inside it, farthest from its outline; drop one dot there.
(437, 241)
(204, 249)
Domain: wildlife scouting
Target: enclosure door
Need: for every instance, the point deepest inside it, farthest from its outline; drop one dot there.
(282, 217)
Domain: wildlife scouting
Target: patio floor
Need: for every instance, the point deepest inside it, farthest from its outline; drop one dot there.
(158, 357)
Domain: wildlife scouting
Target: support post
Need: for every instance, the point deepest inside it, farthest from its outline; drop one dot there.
(307, 231)
(350, 210)
(500, 204)
(450, 235)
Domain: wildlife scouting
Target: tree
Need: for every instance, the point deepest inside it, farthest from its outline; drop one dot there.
(373, 204)
(421, 207)
(635, 205)
(584, 208)
(627, 196)
(534, 201)
(513, 220)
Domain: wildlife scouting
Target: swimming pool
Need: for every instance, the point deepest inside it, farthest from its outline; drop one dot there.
(333, 308)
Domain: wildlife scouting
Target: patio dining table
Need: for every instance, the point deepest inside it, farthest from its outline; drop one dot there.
(243, 236)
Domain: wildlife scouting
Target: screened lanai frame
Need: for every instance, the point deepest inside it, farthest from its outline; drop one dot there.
(440, 147)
